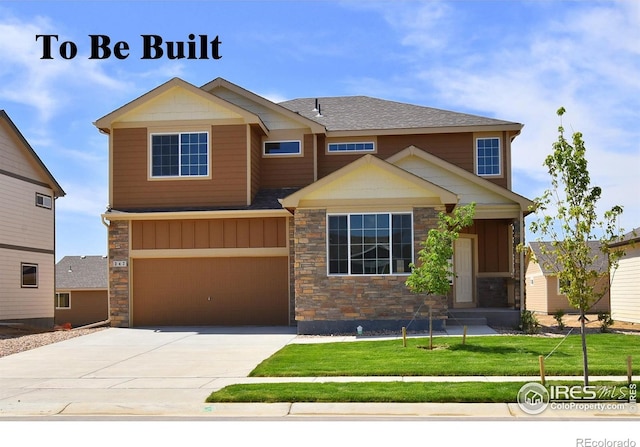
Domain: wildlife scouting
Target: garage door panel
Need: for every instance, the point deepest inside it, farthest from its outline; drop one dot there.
(210, 291)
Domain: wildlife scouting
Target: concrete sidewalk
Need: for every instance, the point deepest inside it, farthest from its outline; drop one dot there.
(169, 372)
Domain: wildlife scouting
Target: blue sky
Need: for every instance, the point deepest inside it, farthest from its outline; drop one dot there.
(518, 61)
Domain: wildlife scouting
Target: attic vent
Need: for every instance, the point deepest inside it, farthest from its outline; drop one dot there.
(83, 257)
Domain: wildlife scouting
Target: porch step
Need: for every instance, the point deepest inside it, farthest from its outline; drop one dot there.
(467, 321)
(498, 317)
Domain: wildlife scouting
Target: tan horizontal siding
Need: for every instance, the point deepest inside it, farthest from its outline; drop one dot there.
(625, 288)
(132, 187)
(284, 172)
(87, 306)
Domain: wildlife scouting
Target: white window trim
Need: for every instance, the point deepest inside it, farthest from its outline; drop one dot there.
(58, 300)
(360, 151)
(500, 161)
(22, 284)
(46, 201)
(179, 176)
(295, 154)
(349, 243)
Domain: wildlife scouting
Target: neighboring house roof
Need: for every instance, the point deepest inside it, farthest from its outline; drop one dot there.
(82, 272)
(50, 180)
(632, 237)
(546, 261)
(348, 113)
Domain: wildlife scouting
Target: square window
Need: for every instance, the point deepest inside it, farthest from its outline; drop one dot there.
(180, 155)
(63, 300)
(29, 275)
(44, 201)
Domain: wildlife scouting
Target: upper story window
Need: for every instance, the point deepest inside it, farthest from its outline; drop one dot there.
(488, 156)
(362, 146)
(29, 275)
(292, 147)
(370, 244)
(43, 201)
(180, 154)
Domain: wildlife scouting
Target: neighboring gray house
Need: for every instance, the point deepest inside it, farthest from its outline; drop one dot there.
(81, 290)
(543, 290)
(625, 280)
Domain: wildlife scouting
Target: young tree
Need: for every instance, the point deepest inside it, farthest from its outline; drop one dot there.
(433, 273)
(573, 226)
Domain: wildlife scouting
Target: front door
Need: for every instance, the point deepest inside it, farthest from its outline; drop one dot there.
(463, 268)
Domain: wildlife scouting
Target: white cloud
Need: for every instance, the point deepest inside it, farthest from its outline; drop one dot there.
(40, 81)
(583, 56)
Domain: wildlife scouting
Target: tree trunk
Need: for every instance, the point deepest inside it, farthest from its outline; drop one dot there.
(583, 336)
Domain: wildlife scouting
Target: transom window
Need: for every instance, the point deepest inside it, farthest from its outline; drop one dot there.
(180, 154)
(29, 275)
(365, 146)
(488, 156)
(63, 300)
(370, 244)
(282, 148)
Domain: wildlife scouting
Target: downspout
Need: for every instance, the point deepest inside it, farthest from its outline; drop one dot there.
(106, 223)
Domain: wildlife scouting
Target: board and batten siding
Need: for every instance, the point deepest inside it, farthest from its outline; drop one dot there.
(625, 288)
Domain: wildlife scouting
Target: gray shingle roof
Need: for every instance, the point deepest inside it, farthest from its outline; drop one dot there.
(367, 113)
(631, 237)
(82, 272)
(546, 261)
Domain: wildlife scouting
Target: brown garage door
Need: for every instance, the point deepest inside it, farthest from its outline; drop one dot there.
(210, 291)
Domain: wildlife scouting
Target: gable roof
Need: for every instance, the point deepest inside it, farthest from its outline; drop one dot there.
(352, 113)
(546, 261)
(357, 177)
(82, 272)
(462, 176)
(105, 122)
(221, 83)
(50, 180)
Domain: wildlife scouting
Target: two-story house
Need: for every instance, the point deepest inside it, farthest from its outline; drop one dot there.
(27, 231)
(229, 209)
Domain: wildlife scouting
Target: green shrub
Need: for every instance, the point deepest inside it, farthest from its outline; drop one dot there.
(558, 317)
(605, 321)
(529, 323)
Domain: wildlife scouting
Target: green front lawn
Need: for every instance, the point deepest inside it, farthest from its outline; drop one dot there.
(493, 355)
(398, 392)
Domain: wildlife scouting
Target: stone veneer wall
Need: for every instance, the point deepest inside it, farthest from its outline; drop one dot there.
(338, 304)
(119, 276)
(292, 288)
(517, 265)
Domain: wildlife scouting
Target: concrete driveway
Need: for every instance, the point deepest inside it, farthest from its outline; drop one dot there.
(133, 371)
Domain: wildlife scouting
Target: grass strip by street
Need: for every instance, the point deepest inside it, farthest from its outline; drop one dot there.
(397, 391)
(506, 355)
